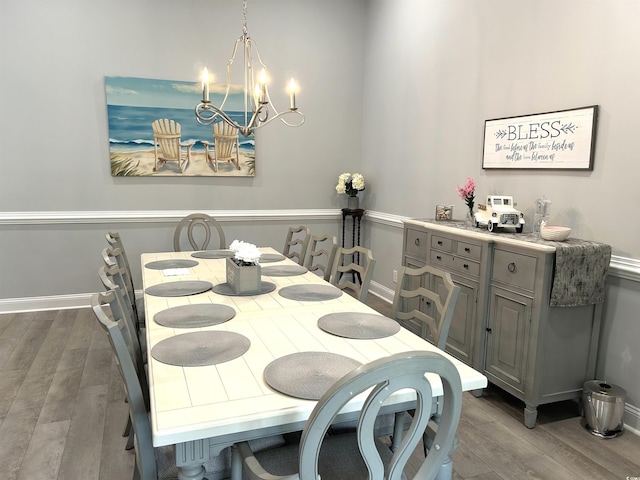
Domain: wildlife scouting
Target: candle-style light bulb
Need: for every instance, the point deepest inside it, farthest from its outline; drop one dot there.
(205, 85)
(292, 94)
(262, 81)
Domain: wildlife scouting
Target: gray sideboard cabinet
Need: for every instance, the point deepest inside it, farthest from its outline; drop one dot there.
(504, 325)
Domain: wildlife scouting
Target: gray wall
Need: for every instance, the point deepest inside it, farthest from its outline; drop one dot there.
(396, 89)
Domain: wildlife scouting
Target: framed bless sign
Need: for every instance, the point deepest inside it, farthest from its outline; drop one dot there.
(563, 140)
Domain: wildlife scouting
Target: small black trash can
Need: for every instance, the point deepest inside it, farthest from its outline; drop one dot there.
(603, 406)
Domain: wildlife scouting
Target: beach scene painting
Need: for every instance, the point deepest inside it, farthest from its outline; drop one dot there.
(153, 130)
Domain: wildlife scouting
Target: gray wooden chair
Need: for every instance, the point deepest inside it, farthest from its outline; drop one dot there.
(297, 243)
(150, 463)
(198, 228)
(348, 274)
(115, 242)
(361, 455)
(426, 295)
(322, 251)
(120, 315)
(112, 258)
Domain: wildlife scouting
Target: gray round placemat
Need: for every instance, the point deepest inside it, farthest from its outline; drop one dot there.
(358, 325)
(271, 257)
(307, 375)
(174, 263)
(310, 293)
(225, 289)
(284, 270)
(197, 349)
(179, 289)
(214, 254)
(195, 316)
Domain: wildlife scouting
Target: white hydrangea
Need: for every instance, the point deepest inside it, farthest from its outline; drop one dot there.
(247, 253)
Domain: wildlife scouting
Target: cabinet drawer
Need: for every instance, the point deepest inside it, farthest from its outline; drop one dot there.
(514, 269)
(441, 260)
(441, 243)
(469, 250)
(452, 262)
(416, 243)
(464, 265)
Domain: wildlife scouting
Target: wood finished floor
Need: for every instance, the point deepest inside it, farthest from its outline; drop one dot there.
(62, 414)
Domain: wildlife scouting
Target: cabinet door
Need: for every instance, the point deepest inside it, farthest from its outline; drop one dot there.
(508, 336)
(463, 324)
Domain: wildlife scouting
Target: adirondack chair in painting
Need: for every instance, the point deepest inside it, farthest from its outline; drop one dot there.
(225, 145)
(168, 146)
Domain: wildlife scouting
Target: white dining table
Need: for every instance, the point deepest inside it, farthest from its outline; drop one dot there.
(202, 410)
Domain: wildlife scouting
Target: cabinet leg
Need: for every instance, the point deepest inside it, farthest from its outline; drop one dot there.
(530, 416)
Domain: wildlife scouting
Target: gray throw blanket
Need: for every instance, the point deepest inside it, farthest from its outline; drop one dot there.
(580, 273)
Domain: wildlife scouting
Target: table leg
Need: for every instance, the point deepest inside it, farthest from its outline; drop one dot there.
(236, 464)
(446, 470)
(190, 458)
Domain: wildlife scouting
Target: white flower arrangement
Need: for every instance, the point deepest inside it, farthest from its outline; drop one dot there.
(350, 183)
(246, 254)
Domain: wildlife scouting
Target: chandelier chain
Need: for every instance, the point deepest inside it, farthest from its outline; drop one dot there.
(245, 29)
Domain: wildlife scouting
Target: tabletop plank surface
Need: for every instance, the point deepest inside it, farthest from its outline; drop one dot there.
(189, 403)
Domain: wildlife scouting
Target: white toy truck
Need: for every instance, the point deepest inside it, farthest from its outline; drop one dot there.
(499, 212)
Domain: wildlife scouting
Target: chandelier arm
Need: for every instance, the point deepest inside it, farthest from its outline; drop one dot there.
(281, 115)
(218, 113)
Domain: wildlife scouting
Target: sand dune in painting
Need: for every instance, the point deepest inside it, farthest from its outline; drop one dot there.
(137, 163)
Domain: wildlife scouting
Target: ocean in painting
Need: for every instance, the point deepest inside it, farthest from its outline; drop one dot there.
(130, 127)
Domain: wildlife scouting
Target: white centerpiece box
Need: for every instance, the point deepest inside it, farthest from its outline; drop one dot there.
(244, 274)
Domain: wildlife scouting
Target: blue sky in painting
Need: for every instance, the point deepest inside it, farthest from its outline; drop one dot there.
(144, 92)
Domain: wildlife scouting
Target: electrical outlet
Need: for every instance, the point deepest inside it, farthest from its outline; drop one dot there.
(395, 276)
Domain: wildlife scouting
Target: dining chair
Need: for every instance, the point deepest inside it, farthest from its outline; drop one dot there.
(115, 242)
(322, 251)
(120, 315)
(198, 225)
(150, 463)
(361, 455)
(346, 264)
(113, 261)
(426, 295)
(296, 243)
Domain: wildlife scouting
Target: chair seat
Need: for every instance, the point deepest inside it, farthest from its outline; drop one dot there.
(339, 459)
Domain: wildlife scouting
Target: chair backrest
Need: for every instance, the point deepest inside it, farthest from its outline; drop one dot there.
(347, 267)
(115, 241)
(429, 295)
(322, 251)
(113, 260)
(297, 236)
(145, 458)
(386, 376)
(122, 316)
(166, 134)
(198, 222)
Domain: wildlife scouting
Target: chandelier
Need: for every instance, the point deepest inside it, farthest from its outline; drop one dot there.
(258, 108)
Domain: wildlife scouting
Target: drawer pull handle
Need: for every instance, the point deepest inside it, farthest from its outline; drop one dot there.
(417, 242)
(511, 267)
(440, 242)
(438, 257)
(488, 330)
(467, 249)
(466, 266)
